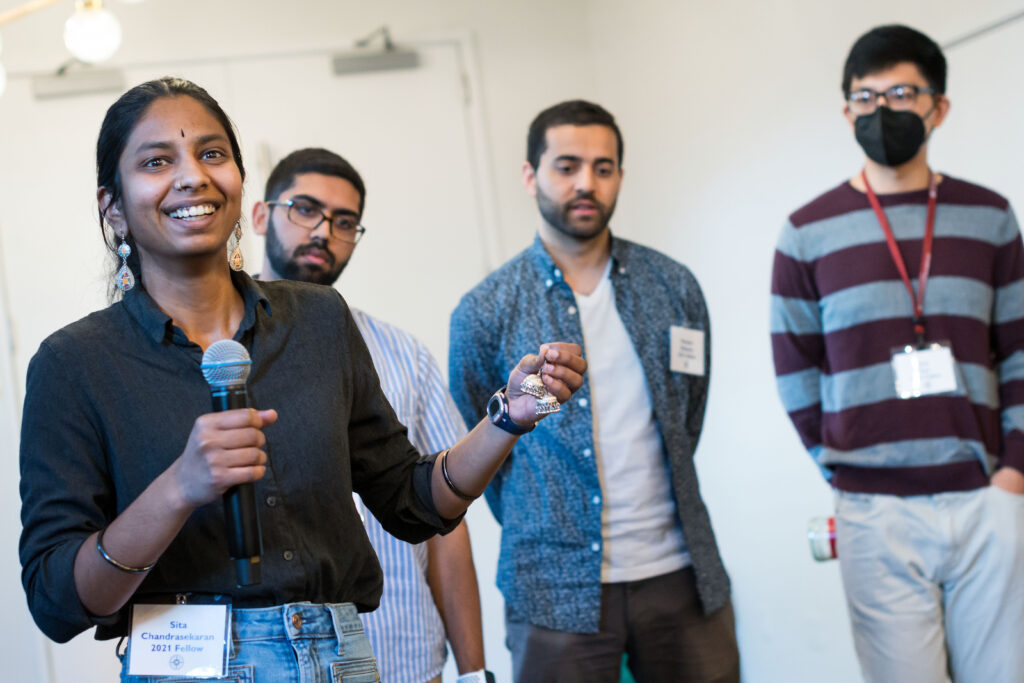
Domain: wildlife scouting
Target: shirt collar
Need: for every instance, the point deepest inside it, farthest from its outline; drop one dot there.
(552, 274)
(159, 327)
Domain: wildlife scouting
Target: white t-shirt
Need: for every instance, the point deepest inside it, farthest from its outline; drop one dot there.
(639, 525)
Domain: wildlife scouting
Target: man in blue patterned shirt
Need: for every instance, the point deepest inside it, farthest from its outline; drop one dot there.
(310, 215)
(606, 545)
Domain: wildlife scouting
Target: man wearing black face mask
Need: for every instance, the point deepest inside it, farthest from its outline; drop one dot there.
(898, 336)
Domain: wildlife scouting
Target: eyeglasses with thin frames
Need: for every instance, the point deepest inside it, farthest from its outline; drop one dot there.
(901, 97)
(344, 226)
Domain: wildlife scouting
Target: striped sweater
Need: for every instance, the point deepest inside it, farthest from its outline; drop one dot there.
(839, 308)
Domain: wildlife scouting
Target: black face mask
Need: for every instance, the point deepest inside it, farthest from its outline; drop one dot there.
(890, 137)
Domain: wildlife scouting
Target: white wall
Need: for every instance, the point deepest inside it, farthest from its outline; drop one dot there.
(731, 118)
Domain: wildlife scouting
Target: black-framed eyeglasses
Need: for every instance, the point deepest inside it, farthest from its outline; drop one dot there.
(309, 215)
(899, 98)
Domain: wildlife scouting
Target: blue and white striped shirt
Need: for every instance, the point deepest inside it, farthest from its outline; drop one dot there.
(406, 631)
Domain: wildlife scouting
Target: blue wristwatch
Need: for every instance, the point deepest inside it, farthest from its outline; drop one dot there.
(497, 411)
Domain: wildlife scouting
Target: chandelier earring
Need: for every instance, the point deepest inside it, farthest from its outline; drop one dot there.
(236, 260)
(124, 280)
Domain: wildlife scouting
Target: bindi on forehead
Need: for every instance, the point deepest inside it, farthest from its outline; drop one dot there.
(182, 132)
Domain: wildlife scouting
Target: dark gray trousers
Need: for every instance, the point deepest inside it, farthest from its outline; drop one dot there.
(656, 622)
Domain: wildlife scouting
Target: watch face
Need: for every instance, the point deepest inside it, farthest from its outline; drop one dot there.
(494, 408)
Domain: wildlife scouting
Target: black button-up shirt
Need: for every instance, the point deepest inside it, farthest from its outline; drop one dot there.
(110, 403)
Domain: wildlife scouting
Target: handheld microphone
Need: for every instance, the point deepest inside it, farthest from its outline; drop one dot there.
(226, 367)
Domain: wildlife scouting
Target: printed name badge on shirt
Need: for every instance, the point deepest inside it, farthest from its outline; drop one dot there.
(686, 350)
(179, 640)
(924, 372)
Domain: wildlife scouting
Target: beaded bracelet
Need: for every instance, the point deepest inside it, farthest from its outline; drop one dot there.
(448, 480)
(114, 563)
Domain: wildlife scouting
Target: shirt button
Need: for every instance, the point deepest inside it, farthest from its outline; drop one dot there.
(595, 546)
(288, 555)
(583, 403)
(587, 452)
(596, 500)
(297, 620)
(572, 310)
(271, 501)
(558, 273)
(622, 270)
(548, 283)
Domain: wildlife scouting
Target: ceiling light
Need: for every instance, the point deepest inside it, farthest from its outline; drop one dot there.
(92, 34)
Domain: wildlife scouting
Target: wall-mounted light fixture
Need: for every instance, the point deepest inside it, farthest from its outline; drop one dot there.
(365, 58)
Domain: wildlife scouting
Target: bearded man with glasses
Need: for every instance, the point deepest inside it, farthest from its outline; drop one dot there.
(311, 214)
(898, 337)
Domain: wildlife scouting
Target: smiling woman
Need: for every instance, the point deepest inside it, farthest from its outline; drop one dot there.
(138, 139)
(121, 479)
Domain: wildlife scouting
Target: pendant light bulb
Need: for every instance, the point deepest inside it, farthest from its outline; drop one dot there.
(92, 34)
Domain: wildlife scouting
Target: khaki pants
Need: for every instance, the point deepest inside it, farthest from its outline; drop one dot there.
(935, 585)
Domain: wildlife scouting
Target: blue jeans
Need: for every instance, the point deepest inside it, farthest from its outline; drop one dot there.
(299, 642)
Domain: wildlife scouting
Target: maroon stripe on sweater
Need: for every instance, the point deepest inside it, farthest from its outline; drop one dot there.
(868, 263)
(808, 425)
(1009, 335)
(844, 198)
(1013, 451)
(1011, 393)
(928, 417)
(956, 191)
(792, 278)
(839, 200)
(910, 481)
(873, 342)
(791, 351)
(1009, 263)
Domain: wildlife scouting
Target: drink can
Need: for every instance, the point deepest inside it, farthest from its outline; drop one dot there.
(821, 533)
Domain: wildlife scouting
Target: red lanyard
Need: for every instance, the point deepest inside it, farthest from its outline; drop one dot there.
(926, 251)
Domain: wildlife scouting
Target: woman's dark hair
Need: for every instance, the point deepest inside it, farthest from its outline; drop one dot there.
(886, 46)
(118, 124)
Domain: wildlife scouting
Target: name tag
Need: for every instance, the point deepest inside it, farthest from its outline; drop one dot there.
(686, 350)
(179, 640)
(924, 372)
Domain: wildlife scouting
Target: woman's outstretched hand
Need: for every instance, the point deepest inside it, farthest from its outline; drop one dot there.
(561, 367)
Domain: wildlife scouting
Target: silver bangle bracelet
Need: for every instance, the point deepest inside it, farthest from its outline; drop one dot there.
(448, 480)
(114, 563)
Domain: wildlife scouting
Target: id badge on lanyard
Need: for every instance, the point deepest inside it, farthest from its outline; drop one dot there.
(183, 638)
(927, 368)
(924, 372)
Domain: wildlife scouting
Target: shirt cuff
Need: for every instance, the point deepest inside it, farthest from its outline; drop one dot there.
(1013, 454)
(422, 482)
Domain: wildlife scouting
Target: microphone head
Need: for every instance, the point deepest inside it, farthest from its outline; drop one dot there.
(226, 363)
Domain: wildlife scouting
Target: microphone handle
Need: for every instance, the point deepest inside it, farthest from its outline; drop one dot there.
(240, 512)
